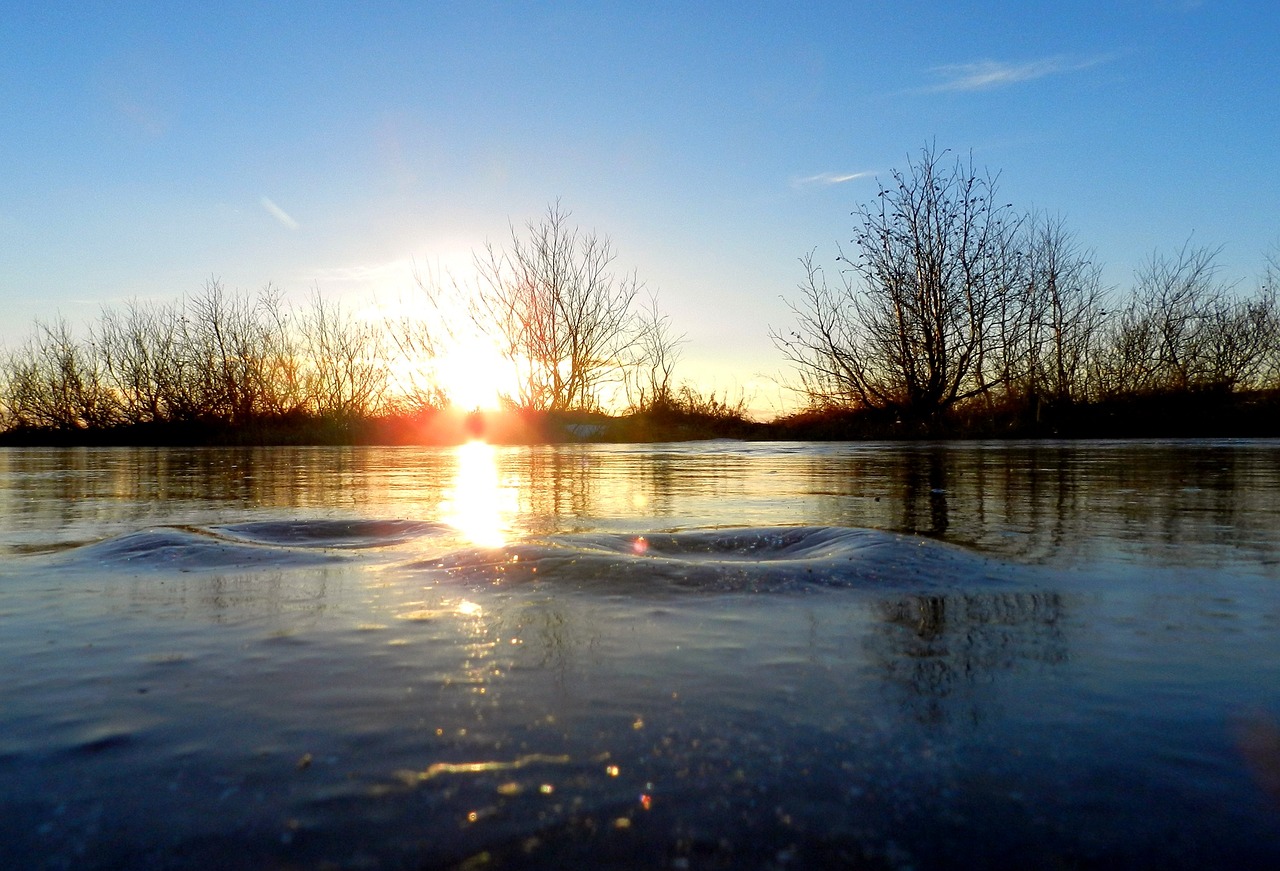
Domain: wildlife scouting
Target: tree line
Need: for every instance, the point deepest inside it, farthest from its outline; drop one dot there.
(215, 357)
(579, 336)
(949, 299)
(947, 302)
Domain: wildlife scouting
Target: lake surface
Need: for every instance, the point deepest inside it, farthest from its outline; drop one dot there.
(713, 655)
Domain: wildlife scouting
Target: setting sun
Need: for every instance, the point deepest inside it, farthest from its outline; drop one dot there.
(475, 376)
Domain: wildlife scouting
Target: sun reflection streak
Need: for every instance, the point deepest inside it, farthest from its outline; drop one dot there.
(478, 504)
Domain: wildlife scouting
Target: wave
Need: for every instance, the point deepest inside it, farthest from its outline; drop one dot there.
(769, 559)
(244, 545)
(333, 533)
(185, 549)
(723, 560)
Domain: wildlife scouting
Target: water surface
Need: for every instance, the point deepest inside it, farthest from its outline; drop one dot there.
(684, 656)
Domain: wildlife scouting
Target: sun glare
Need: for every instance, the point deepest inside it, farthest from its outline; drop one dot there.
(475, 376)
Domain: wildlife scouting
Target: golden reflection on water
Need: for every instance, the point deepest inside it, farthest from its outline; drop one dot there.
(438, 768)
(479, 504)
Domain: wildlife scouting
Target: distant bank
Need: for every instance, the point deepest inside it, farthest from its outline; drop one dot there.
(1254, 414)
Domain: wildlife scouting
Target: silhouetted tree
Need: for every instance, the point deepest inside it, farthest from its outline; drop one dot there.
(914, 325)
(563, 317)
(1065, 311)
(1186, 329)
(553, 305)
(54, 382)
(417, 335)
(345, 375)
(1269, 292)
(143, 359)
(653, 357)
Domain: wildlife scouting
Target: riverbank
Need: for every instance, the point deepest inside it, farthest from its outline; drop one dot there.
(1254, 414)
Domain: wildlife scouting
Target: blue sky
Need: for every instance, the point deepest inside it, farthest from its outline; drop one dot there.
(145, 149)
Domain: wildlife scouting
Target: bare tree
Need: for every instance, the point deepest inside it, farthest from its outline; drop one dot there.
(345, 375)
(417, 335)
(232, 343)
(1176, 296)
(652, 361)
(238, 355)
(54, 382)
(1065, 311)
(1187, 329)
(1240, 342)
(140, 356)
(562, 317)
(1269, 294)
(912, 328)
(825, 345)
(1184, 328)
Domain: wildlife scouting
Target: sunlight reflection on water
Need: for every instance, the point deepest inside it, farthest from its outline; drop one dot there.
(479, 504)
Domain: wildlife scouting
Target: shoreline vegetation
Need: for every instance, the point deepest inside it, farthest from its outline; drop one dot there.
(950, 315)
(1251, 414)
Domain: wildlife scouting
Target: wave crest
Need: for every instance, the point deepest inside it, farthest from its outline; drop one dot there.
(768, 559)
(332, 533)
(244, 545)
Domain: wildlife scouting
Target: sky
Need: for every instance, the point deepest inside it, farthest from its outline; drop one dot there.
(344, 147)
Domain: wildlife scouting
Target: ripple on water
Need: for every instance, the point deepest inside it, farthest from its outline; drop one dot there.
(752, 559)
(768, 559)
(333, 533)
(184, 549)
(281, 543)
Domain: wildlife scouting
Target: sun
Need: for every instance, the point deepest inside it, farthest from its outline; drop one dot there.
(475, 376)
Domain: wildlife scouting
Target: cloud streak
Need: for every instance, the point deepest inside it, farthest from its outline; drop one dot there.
(278, 213)
(361, 273)
(826, 179)
(985, 75)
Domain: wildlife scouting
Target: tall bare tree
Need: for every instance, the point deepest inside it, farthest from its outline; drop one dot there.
(563, 316)
(912, 326)
(142, 359)
(654, 354)
(55, 382)
(553, 305)
(1269, 292)
(345, 375)
(417, 336)
(1065, 311)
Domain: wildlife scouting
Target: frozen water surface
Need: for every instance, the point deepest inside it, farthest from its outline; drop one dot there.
(682, 656)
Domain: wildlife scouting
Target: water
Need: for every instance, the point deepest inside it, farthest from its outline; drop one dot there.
(681, 656)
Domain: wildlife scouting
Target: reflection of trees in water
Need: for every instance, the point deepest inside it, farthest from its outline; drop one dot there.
(296, 595)
(924, 493)
(1058, 501)
(1035, 501)
(561, 638)
(654, 486)
(936, 651)
(591, 481)
(560, 482)
(141, 485)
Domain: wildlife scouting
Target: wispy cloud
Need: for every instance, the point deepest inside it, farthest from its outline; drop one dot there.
(278, 213)
(826, 179)
(361, 273)
(988, 74)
